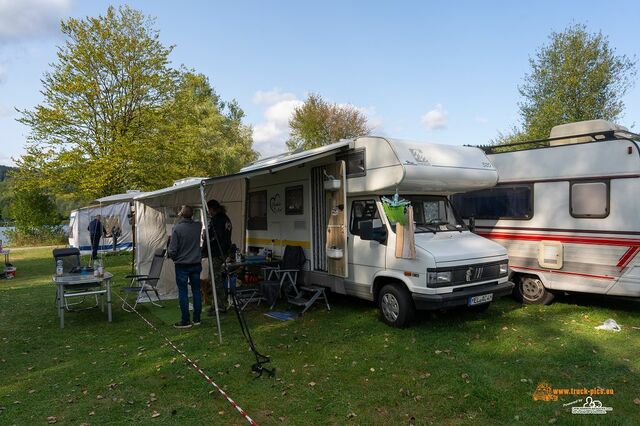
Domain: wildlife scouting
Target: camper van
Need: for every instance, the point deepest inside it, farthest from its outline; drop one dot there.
(331, 201)
(567, 210)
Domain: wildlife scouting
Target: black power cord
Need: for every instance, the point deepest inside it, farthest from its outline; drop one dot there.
(259, 367)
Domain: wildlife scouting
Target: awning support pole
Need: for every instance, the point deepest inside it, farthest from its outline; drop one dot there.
(205, 214)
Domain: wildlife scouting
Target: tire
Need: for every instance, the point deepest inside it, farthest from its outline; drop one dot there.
(396, 305)
(531, 290)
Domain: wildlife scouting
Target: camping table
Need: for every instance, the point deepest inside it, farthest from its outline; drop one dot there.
(271, 291)
(69, 281)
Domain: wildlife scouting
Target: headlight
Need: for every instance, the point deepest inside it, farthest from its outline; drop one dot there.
(504, 268)
(439, 277)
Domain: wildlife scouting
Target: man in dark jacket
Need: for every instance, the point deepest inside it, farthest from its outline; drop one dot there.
(96, 231)
(219, 230)
(184, 249)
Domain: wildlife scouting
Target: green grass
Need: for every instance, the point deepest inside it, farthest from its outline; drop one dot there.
(337, 367)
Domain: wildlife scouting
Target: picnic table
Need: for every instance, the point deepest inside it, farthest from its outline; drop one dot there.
(79, 285)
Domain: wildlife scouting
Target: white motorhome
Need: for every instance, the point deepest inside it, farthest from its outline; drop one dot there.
(329, 201)
(567, 210)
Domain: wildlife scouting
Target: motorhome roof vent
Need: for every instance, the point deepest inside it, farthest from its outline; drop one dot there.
(591, 130)
(188, 180)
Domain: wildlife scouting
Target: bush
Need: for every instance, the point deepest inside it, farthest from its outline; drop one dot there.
(37, 236)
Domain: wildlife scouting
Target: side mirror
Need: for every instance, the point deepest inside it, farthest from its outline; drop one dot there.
(369, 233)
(472, 224)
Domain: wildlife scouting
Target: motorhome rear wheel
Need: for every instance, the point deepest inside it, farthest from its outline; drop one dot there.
(531, 290)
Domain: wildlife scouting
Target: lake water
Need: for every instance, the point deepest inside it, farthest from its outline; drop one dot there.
(2, 236)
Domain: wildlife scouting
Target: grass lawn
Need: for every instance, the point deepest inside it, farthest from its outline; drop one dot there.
(339, 367)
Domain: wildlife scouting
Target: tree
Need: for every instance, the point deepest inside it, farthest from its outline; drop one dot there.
(317, 122)
(110, 120)
(576, 76)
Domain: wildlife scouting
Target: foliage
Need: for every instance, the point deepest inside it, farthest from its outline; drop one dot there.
(6, 196)
(36, 237)
(113, 110)
(577, 76)
(317, 122)
(33, 209)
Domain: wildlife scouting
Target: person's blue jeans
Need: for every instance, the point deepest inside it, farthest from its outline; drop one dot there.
(185, 275)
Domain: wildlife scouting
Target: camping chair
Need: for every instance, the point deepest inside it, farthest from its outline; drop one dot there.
(287, 276)
(71, 264)
(145, 283)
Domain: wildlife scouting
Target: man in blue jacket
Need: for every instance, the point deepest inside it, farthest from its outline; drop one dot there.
(96, 231)
(184, 249)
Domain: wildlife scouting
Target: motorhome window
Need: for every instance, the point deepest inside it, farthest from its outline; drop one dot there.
(293, 200)
(362, 210)
(355, 163)
(590, 199)
(257, 211)
(500, 202)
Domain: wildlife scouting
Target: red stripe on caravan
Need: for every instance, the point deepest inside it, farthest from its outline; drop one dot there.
(627, 257)
(562, 238)
(602, 277)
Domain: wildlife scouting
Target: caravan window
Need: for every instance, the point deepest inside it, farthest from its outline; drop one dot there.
(257, 211)
(355, 163)
(362, 210)
(589, 199)
(501, 202)
(294, 200)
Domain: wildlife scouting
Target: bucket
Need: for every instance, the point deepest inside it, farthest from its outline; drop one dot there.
(10, 272)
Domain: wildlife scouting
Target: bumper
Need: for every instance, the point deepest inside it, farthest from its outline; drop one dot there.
(459, 298)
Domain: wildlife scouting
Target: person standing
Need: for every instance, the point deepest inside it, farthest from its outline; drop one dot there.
(96, 231)
(219, 229)
(184, 250)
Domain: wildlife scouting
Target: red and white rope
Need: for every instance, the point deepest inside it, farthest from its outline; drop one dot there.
(193, 365)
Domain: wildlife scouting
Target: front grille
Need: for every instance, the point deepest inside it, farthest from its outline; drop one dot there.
(469, 274)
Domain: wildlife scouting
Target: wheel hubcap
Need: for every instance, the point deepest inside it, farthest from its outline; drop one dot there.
(390, 307)
(532, 289)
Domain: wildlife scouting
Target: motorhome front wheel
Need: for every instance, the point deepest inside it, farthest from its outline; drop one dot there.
(396, 305)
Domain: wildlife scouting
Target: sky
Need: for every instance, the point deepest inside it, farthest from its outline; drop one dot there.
(444, 72)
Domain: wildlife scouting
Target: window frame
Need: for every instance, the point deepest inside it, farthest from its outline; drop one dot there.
(345, 156)
(287, 191)
(352, 218)
(251, 225)
(607, 183)
(532, 209)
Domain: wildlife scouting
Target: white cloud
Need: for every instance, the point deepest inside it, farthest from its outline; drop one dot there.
(481, 120)
(3, 73)
(23, 19)
(435, 118)
(270, 97)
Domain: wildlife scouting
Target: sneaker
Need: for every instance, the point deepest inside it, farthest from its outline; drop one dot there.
(197, 322)
(181, 324)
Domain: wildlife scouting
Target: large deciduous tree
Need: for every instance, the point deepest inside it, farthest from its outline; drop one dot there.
(317, 122)
(117, 116)
(576, 76)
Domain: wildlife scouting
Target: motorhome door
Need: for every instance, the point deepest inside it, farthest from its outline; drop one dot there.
(336, 213)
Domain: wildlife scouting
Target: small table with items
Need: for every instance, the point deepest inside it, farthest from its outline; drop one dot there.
(76, 285)
(270, 291)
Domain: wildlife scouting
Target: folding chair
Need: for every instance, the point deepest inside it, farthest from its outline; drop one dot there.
(287, 276)
(145, 283)
(71, 264)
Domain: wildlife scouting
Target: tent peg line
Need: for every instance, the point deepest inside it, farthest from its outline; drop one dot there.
(192, 364)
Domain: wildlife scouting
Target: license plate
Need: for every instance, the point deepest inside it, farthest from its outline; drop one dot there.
(478, 300)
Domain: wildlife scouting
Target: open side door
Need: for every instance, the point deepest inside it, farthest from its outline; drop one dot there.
(336, 195)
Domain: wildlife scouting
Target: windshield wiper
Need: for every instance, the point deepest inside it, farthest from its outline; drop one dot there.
(426, 227)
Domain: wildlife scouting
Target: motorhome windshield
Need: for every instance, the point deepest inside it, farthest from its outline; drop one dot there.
(433, 213)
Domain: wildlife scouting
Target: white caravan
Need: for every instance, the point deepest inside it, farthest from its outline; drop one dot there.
(567, 210)
(329, 201)
(116, 213)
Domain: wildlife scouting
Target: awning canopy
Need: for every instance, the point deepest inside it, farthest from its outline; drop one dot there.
(118, 198)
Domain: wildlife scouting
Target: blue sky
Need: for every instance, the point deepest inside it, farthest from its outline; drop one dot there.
(435, 71)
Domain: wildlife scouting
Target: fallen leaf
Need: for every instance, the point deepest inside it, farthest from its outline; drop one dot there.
(312, 384)
(237, 365)
(505, 328)
(372, 370)
(99, 396)
(51, 419)
(636, 401)
(351, 415)
(92, 413)
(155, 414)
